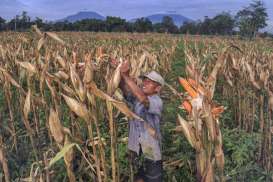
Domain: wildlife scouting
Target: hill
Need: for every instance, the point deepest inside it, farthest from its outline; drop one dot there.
(83, 15)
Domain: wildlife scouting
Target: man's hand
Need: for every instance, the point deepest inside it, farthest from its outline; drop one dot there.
(113, 62)
(125, 68)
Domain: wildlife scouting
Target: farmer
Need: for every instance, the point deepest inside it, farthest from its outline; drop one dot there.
(144, 136)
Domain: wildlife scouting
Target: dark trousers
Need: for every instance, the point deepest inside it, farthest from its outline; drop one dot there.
(148, 170)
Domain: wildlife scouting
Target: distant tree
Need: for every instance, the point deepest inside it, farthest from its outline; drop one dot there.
(24, 22)
(48, 26)
(82, 25)
(93, 25)
(158, 27)
(39, 22)
(20, 22)
(189, 28)
(13, 23)
(168, 25)
(68, 26)
(252, 18)
(115, 24)
(222, 24)
(206, 27)
(130, 27)
(2, 23)
(97, 25)
(59, 26)
(143, 25)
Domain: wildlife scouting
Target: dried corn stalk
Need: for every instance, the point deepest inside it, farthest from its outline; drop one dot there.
(203, 131)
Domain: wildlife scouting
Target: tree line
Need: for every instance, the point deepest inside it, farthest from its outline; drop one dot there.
(247, 22)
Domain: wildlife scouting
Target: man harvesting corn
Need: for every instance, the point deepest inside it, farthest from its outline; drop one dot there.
(144, 137)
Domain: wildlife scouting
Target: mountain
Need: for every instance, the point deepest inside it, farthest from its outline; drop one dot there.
(83, 15)
(157, 18)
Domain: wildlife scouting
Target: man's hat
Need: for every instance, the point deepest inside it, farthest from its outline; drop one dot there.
(156, 77)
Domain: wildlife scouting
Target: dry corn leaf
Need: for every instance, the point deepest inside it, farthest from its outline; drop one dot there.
(186, 128)
(115, 80)
(9, 78)
(67, 89)
(40, 43)
(264, 76)
(27, 105)
(55, 37)
(28, 66)
(210, 122)
(26, 111)
(77, 107)
(37, 30)
(208, 176)
(270, 100)
(76, 81)
(68, 159)
(91, 99)
(56, 127)
(125, 110)
(69, 155)
(119, 105)
(212, 76)
(228, 80)
(88, 72)
(61, 61)
(252, 76)
(61, 75)
(61, 154)
(51, 88)
(220, 160)
(118, 95)
(4, 163)
(18, 50)
(1, 154)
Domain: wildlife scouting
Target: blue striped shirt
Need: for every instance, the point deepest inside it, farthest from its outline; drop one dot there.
(138, 134)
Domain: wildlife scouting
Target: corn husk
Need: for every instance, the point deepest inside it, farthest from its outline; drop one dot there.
(187, 130)
(55, 37)
(77, 107)
(68, 159)
(56, 127)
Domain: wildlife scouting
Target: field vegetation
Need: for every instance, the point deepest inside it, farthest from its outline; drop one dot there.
(63, 118)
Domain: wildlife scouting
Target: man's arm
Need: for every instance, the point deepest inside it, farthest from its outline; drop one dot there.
(124, 88)
(135, 90)
(129, 85)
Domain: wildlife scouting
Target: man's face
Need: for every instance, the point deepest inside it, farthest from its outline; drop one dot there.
(150, 87)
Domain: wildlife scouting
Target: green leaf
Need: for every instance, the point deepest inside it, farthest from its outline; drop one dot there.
(61, 154)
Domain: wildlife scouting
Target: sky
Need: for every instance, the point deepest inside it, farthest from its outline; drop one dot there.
(58, 9)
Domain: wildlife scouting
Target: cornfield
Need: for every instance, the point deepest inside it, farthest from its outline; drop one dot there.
(61, 96)
(62, 110)
(247, 70)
